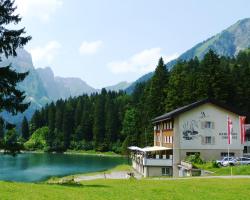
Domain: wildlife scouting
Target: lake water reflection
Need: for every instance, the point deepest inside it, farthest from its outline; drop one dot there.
(29, 167)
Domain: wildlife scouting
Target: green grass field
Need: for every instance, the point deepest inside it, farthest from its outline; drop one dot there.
(222, 171)
(183, 189)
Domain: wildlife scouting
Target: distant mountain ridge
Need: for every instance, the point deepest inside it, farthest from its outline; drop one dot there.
(119, 86)
(226, 43)
(62, 88)
(41, 86)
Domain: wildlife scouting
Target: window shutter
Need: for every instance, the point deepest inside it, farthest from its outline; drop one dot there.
(212, 125)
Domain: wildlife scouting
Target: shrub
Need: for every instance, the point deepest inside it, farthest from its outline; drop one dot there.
(38, 139)
(215, 164)
(194, 159)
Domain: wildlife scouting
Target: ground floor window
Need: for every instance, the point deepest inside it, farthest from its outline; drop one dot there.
(245, 149)
(165, 171)
(225, 154)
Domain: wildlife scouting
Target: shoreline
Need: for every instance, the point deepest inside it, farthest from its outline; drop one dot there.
(73, 152)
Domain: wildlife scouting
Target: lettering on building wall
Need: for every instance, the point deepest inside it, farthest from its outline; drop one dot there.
(224, 136)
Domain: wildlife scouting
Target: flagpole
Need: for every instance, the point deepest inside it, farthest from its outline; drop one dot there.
(229, 129)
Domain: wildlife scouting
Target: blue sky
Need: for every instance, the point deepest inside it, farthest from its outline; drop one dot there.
(104, 42)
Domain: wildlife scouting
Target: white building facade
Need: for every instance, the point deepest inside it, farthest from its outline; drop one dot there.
(200, 128)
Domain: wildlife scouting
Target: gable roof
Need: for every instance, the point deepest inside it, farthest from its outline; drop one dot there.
(188, 107)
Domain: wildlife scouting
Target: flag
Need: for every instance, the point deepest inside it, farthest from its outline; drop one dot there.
(229, 130)
(242, 129)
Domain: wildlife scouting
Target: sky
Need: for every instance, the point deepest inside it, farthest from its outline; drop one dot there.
(104, 42)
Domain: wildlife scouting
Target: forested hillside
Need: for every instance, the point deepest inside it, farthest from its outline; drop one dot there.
(112, 121)
(228, 42)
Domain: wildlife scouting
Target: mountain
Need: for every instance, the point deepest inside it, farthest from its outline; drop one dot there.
(144, 78)
(32, 84)
(62, 88)
(226, 43)
(119, 86)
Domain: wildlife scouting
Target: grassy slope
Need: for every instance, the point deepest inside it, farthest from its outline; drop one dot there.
(115, 169)
(236, 170)
(132, 189)
(92, 152)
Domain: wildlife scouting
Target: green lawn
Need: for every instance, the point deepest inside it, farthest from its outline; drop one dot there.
(115, 169)
(183, 189)
(236, 170)
(93, 152)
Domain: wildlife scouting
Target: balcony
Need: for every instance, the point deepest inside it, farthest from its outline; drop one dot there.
(157, 162)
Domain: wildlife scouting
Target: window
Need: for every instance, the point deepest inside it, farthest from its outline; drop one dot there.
(192, 153)
(165, 171)
(225, 154)
(168, 139)
(245, 149)
(171, 139)
(208, 140)
(207, 124)
(157, 138)
(170, 125)
(165, 139)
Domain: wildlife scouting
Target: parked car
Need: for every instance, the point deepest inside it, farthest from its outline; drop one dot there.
(243, 161)
(226, 161)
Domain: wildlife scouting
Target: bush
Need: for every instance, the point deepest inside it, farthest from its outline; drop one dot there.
(38, 140)
(194, 159)
(11, 143)
(81, 145)
(117, 147)
(215, 164)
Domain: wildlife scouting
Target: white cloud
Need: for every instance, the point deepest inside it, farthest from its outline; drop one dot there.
(46, 53)
(42, 9)
(90, 47)
(142, 62)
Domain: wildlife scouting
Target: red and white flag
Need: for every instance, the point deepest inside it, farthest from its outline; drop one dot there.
(229, 130)
(242, 129)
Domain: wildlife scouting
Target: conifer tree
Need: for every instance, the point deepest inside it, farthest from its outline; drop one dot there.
(11, 99)
(99, 120)
(25, 129)
(157, 90)
(1, 129)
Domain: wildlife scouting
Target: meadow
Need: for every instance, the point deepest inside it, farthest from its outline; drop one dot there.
(188, 189)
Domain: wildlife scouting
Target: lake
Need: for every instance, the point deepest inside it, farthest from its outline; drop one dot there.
(33, 167)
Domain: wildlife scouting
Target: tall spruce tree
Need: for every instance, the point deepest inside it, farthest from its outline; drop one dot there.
(1, 129)
(25, 129)
(11, 99)
(158, 90)
(68, 124)
(99, 121)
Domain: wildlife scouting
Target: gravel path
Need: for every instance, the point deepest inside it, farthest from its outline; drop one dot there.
(112, 175)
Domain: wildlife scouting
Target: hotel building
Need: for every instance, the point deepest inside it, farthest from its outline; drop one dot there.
(200, 127)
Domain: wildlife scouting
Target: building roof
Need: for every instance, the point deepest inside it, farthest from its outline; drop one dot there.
(148, 149)
(188, 107)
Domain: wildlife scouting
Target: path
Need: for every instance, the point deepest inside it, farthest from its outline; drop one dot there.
(112, 175)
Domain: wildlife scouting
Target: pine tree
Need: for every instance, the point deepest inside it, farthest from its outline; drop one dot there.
(11, 99)
(157, 90)
(87, 121)
(25, 129)
(68, 124)
(51, 117)
(1, 130)
(99, 120)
